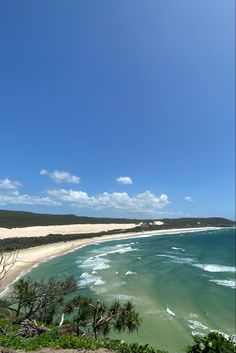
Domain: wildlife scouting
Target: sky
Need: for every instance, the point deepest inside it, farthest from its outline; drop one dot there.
(118, 108)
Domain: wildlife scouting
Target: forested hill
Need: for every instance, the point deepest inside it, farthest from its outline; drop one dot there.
(13, 219)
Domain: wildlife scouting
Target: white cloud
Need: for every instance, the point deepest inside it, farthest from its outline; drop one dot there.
(124, 180)
(9, 194)
(8, 184)
(16, 198)
(145, 202)
(61, 176)
(188, 198)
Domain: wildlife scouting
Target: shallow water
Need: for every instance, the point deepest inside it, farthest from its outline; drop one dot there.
(182, 284)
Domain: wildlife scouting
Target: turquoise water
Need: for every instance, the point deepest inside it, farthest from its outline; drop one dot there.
(182, 284)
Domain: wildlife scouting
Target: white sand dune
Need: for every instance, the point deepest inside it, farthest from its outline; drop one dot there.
(42, 231)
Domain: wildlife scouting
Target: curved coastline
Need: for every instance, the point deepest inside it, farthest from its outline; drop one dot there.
(32, 257)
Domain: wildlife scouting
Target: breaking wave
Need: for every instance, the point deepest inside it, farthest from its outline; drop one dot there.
(215, 268)
(174, 248)
(98, 262)
(130, 273)
(170, 312)
(225, 282)
(194, 324)
(88, 279)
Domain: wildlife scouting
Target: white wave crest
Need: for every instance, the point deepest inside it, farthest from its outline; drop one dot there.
(225, 282)
(205, 267)
(215, 268)
(87, 279)
(96, 263)
(194, 324)
(170, 312)
(130, 273)
(197, 333)
(174, 248)
(177, 259)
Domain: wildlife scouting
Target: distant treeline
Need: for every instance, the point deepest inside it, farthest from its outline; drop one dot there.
(18, 219)
(15, 243)
(196, 222)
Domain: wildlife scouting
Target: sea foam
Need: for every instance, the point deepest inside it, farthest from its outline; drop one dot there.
(98, 262)
(225, 282)
(130, 273)
(87, 279)
(215, 268)
(194, 324)
(178, 259)
(205, 267)
(170, 312)
(174, 248)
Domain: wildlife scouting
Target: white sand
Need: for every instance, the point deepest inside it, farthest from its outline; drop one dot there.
(32, 256)
(42, 231)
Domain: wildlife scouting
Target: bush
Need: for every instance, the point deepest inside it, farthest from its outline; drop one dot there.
(214, 342)
(53, 340)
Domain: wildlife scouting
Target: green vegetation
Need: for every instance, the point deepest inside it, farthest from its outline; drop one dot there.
(38, 299)
(87, 326)
(214, 342)
(17, 243)
(98, 319)
(53, 339)
(14, 219)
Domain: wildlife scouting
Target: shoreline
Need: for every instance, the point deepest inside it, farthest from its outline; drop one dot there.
(31, 257)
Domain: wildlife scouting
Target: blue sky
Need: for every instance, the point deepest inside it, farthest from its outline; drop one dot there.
(94, 91)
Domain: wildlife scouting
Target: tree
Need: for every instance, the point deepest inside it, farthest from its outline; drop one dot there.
(53, 297)
(38, 299)
(98, 319)
(7, 261)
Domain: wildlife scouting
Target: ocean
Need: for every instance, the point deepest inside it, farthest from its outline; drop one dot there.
(182, 284)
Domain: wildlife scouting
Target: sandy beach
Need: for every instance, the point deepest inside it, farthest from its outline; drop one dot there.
(30, 257)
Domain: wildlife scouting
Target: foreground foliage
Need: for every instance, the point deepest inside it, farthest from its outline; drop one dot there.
(53, 339)
(89, 324)
(98, 318)
(38, 299)
(214, 342)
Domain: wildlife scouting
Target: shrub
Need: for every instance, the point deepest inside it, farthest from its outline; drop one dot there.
(214, 342)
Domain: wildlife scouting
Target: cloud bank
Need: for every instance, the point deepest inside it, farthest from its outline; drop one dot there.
(141, 203)
(145, 202)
